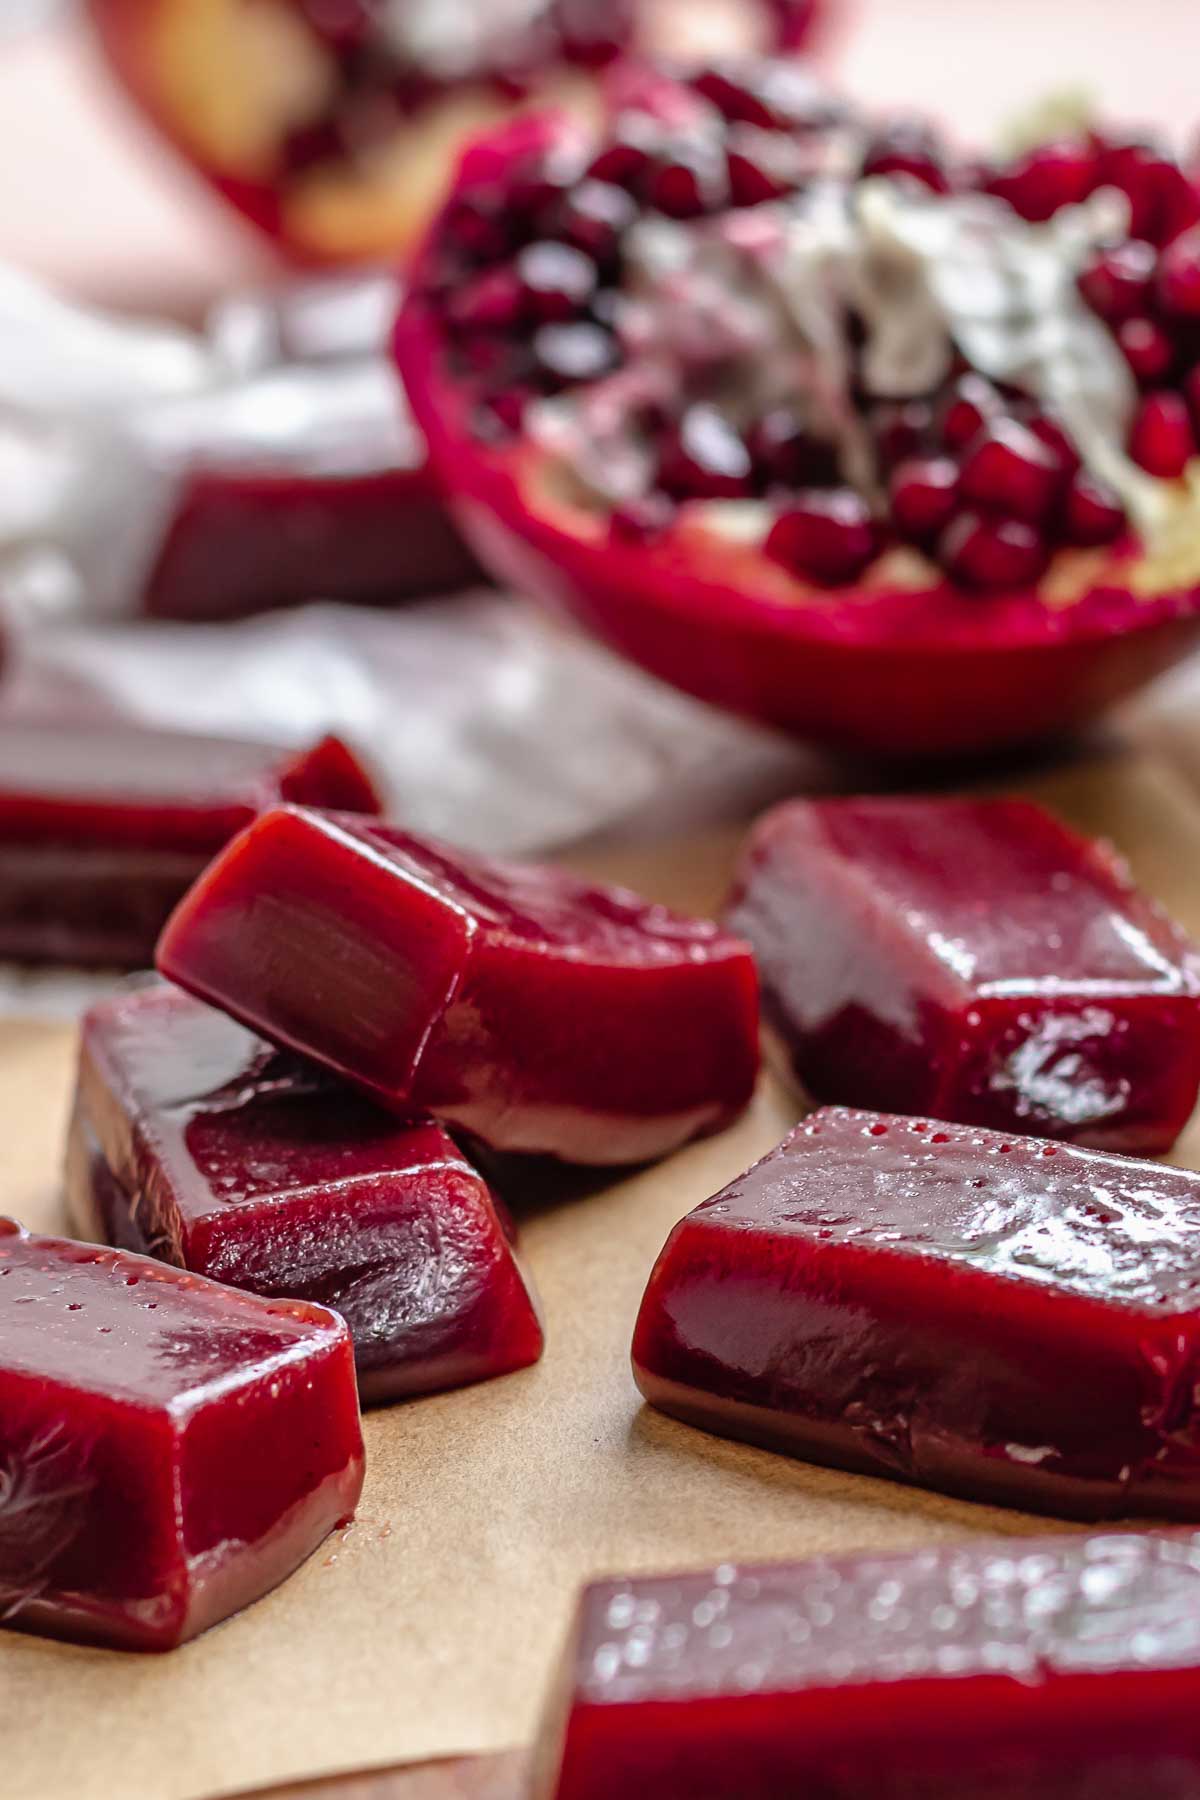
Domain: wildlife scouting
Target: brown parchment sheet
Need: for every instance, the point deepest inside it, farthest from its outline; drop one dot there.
(430, 1627)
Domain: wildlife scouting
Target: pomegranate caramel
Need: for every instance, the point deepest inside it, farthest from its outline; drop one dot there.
(1060, 1669)
(528, 1008)
(818, 418)
(104, 827)
(129, 1393)
(1003, 1318)
(973, 960)
(196, 1142)
(335, 127)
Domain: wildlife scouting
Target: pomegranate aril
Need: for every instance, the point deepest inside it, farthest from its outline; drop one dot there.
(981, 551)
(490, 302)
(1155, 187)
(1057, 174)
(629, 154)
(762, 166)
(691, 181)
(594, 217)
(1147, 349)
(901, 431)
(575, 352)
(1055, 438)
(769, 92)
(507, 407)
(477, 228)
(972, 402)
(1162, 440)
(1191, 389)
(1011, 471)
(704, 458)
(787, 455)
(1092, 513)
(923, 493)
(1179, 276)
(829, 536)
(556, 281)
(1119, 281)
(908, 148)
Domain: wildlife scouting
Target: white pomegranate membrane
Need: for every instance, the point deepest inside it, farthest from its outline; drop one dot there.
(833, 341)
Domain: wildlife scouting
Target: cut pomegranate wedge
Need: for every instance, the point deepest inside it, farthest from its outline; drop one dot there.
(1059, 1669)
(196, 1142)
(538, 1013)
(104, 827)
(974, 960)
(334, 126)
(817, 421)
(305, 479)
(1003, 1318)
(171, 1449)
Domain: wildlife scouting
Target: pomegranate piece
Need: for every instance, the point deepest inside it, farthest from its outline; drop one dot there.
(1046, 1669)
(195, 1141)
(103, 828)
(975, 960)
(173, 1449)
(338, 141)
(536, 1012)
(1003, 1318)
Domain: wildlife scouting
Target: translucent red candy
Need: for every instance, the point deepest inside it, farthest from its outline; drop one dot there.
(975, 960)
(196, 1142)
(1004, 1318)
(1060, 1669)
(170, 1449)
(103, 827)
(533, 1010)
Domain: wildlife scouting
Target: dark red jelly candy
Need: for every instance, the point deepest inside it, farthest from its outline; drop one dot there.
(104, 827)
(171, 1449)
(534, 1011)
(195, 1141)
(1004, 1318)
(975, 960)
(1053, 1669)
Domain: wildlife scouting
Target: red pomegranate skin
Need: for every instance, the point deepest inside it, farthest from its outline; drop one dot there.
(129, 1393)
(104, 827)
(1002, 1318)
(532, 1010)
(197, 1142)
(973, 960)
(1063, 1668)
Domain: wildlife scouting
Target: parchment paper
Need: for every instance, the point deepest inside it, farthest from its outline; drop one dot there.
(430, 1627)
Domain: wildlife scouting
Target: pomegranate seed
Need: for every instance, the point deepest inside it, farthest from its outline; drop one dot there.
(908, 148)
(1012, 471)
(1055, 438)
(629, 154)
(1162, 440)
(1191, 388)
(972, 403)
(640, 521)
(762, 165)
(594, 32)
(1055, 175)
(1149, 180)
(829, 536)
(923, 493)
(508, 406)
(784, 453)
(1147, 349)
(594, 218)
(737, 97)
(705, 458)
(557, 282)
(477, 227)
(1179, 276)
(1093, 514)
(984, 552)
(901, 430)
(576, 352)
(490, 302)
(1119, 282)
(692, 181)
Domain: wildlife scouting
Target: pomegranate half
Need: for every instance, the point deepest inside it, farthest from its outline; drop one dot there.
(333, 125)
(817, 420)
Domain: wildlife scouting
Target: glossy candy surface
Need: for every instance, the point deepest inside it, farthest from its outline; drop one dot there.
(1004, 1318)
(171, 1449)
(104, 827)
(976, 961)
(1060, 1669)
(195, 1141)
(517, 1002)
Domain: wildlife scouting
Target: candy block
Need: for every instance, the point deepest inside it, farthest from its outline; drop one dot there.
(1063, 1669)
(196, 1142)
(1004, 1318)
(976, 961)
(536, 1012)
(103, 827)
(170, 1449)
